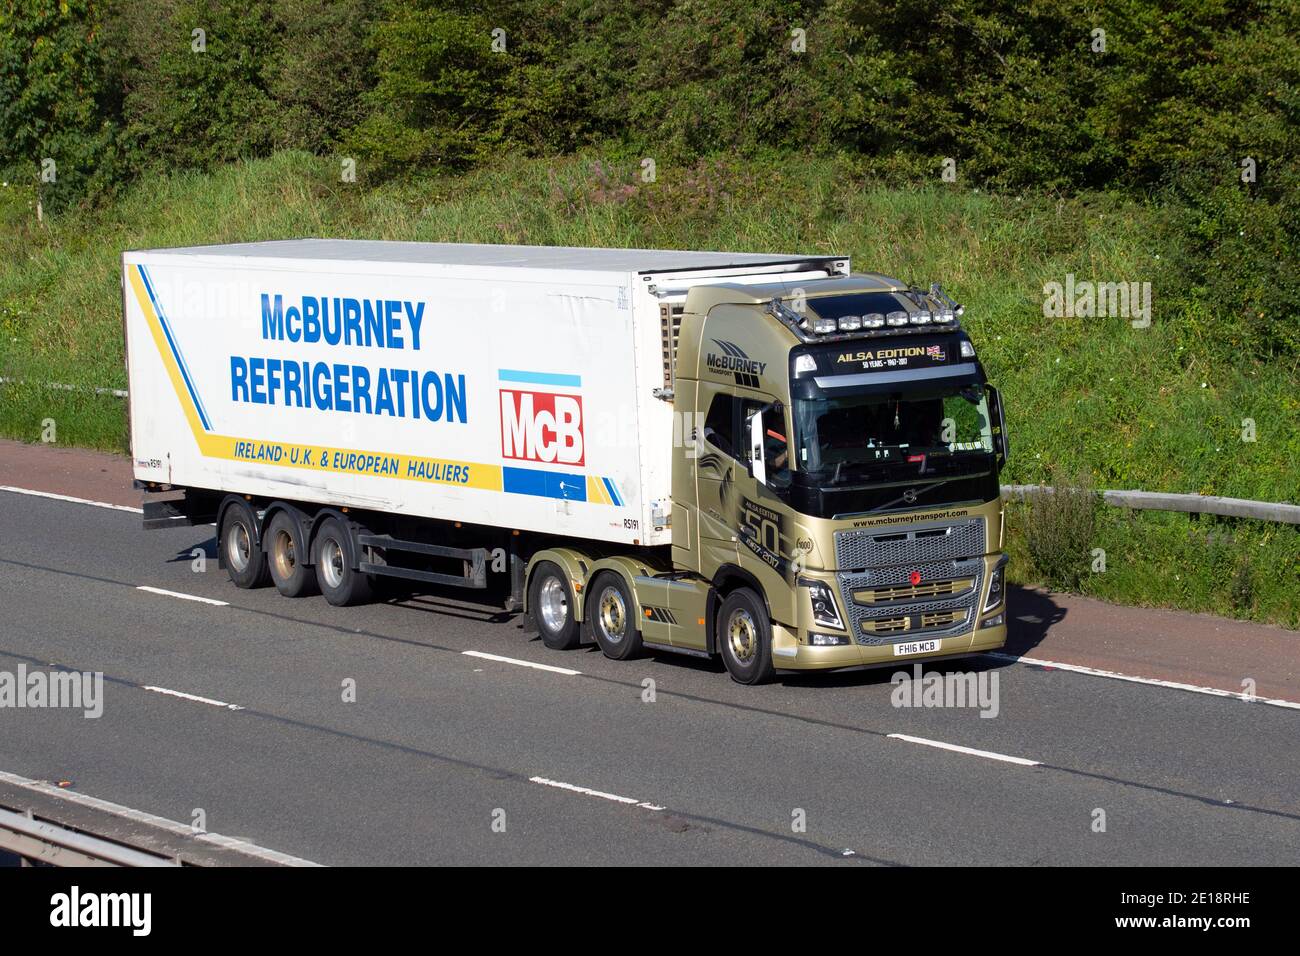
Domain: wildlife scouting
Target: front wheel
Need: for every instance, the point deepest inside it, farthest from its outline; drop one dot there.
(611, 616)
(550, 602)
(745, 637)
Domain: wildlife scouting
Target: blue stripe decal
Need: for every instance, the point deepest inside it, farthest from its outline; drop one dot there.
(539, 378)
(613, 492)
(176, 353)
(544, 484)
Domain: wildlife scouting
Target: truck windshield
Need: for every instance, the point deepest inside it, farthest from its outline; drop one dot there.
(870, 437)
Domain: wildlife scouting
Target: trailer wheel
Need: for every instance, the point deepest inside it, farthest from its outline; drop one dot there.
(550, 602)
(238, 548)
(341, 584)
(292, 578)
(611, 615)
(745, 637)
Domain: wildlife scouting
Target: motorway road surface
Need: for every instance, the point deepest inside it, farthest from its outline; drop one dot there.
(446, 757)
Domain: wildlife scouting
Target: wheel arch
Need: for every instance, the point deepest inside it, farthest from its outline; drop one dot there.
(350, 526)
(728, 578)
(573, 563)
(233, 501)
(629, 569)
(302, 528)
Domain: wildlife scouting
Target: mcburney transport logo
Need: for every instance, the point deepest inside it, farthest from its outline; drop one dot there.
(746, 369)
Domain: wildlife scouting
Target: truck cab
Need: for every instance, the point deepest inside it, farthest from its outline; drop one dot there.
(841, 465)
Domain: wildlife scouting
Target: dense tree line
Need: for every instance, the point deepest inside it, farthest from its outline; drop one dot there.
(1195, 102)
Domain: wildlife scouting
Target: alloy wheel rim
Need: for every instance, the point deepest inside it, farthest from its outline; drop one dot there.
(332, 563)
(742, 636)
(612, 615)
(239, 546)
(554, 604)
(285, 560)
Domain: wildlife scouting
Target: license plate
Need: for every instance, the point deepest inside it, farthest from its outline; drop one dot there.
(916, 647)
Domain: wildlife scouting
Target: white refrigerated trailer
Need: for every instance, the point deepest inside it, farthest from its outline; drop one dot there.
(343, 410)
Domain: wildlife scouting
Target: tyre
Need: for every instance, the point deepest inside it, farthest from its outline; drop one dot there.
(611, 616)
(341, 584)
(239, 549)
(745, 637)
(292, 578)
(550, 602)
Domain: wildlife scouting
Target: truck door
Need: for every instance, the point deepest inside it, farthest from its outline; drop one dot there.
(764, 544)
(717, 465)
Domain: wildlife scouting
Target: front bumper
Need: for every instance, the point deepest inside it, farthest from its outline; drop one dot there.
(788, 653)
(792, 649)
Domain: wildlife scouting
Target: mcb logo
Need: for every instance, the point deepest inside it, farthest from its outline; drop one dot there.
(542, 426)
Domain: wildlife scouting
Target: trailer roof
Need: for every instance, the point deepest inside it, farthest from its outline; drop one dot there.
(479, 254)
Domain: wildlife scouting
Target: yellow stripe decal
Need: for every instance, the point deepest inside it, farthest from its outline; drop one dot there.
(320, 457)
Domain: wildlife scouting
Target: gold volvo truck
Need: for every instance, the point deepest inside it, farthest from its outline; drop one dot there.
(801, 471)
(835, 495)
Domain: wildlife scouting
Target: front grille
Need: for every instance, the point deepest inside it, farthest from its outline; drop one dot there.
(907, 592)
(883, 605)
(911, 544)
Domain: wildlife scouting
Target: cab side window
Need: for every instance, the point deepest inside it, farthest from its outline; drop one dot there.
(776, 447)
(720, 424)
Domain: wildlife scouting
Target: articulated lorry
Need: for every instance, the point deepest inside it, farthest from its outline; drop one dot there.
(762, 457)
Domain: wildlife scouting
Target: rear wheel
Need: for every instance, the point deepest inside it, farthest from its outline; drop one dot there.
(292, 578)
(341, 584)
(550, 602)
(238, 547)
(612, 618)
(745, 637)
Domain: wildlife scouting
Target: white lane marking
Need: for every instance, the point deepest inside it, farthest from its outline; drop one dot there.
(956, 748)
(194, 697)
(75, 501)
(511, 660)
(1152, 681)
(588, 792)
(162, 823)
(183, 597)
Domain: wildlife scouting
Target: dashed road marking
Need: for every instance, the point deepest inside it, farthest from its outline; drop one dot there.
(512, 660)
(194, 697)
(183, 597)
(957, 748)
(588, 792)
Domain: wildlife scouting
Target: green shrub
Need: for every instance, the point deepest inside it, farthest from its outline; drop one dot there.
(1061, 531)
(56, 102)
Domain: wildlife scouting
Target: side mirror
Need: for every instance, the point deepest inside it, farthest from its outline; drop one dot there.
(998, 423)
(757, 468)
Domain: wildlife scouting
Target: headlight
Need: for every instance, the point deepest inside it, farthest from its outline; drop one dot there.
(822, 326)
(995, 590)
(804, 363)
(896, 318)
(921, 318)
(850, 323)
(873, 321)
(825, 611)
